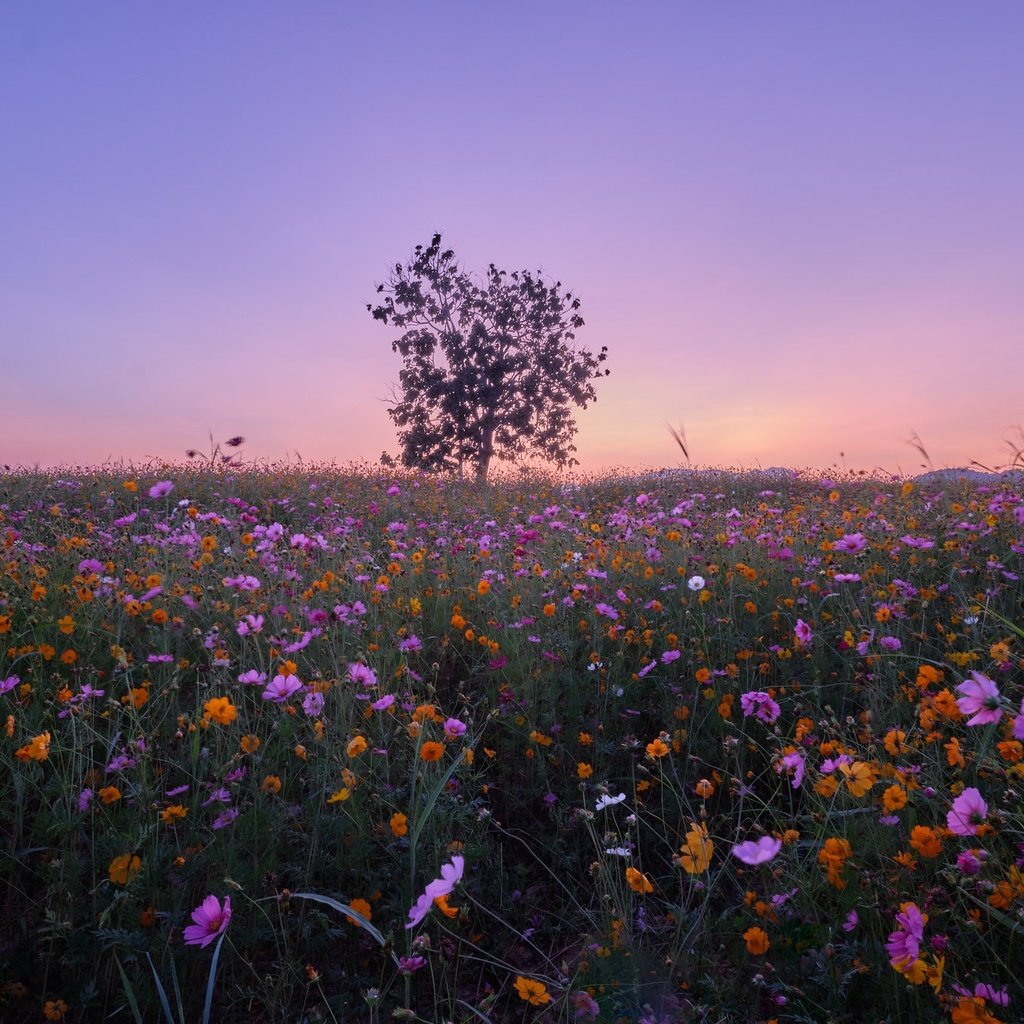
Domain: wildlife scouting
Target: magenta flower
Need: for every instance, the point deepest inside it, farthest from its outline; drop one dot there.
(759, 703)
(850, 544)
(967, 813)
(211, 921)
(1018, 724)
(280, 688)
(980, 699)
(904, 944)
(803, 632)
(161, 489)
(362, 674)
(758, 851)
(794, 765)
(606, 610)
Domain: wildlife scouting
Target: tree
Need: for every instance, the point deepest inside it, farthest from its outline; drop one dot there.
(490, 370)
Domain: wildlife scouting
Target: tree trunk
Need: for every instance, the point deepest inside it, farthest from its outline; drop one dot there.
(483, 461)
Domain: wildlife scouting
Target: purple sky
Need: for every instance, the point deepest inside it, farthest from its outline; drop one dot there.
(798, 227)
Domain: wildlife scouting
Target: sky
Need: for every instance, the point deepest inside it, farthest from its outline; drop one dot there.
(798, 227)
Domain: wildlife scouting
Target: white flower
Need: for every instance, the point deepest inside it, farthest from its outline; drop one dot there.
(618, 851)
(696, 583)
(606, 800)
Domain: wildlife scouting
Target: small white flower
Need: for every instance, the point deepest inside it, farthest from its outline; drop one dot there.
(696, 583)
(606, 800)
(618, 851)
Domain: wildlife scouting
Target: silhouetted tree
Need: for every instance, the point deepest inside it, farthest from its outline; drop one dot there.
(490, 369)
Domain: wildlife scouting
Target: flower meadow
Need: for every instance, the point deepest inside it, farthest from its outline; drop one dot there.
(320, 744)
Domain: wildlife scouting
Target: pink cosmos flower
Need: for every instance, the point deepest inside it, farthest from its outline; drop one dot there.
(280, 688)
(967, 813)
(803, 632)
(794, 764)
(850, 544)
(161, 489)
(362, 674)
(980, 698)
(606, 610)
(453, 728)
(760, 704)
(904, 944)
(211, 921)
(758, 851)
(1018, 723)
(451, 875)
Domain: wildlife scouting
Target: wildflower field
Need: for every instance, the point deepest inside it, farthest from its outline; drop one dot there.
(323, 745)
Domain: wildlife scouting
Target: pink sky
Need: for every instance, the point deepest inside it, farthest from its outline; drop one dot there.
(799, 229)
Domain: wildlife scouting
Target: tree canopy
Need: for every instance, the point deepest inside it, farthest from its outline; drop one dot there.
(490, 369)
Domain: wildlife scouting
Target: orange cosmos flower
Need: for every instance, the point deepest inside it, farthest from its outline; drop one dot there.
(360, 906)
(657, 748)
(37, 749)
(221, 710)
(533, 992)
(431, 751)
(124, 868)
(356, 746)
(638, 881)
(860, 777)
(756, 940)
(696, 853)
(399, 824)
(176, 812)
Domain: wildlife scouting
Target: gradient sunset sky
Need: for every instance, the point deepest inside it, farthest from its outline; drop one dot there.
(798, 227)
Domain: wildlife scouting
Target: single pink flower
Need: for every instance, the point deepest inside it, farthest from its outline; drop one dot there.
(980, 698)
(211, 921)
(280, 688)
(803, 632)
(161, 489)
(967, 813)
(757, 851)
(904, 944)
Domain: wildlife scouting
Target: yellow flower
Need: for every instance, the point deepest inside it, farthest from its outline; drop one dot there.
(221, 710)
(695, 854)
(124, 868)
(533, 992)
(340, 795)
(638, 881)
